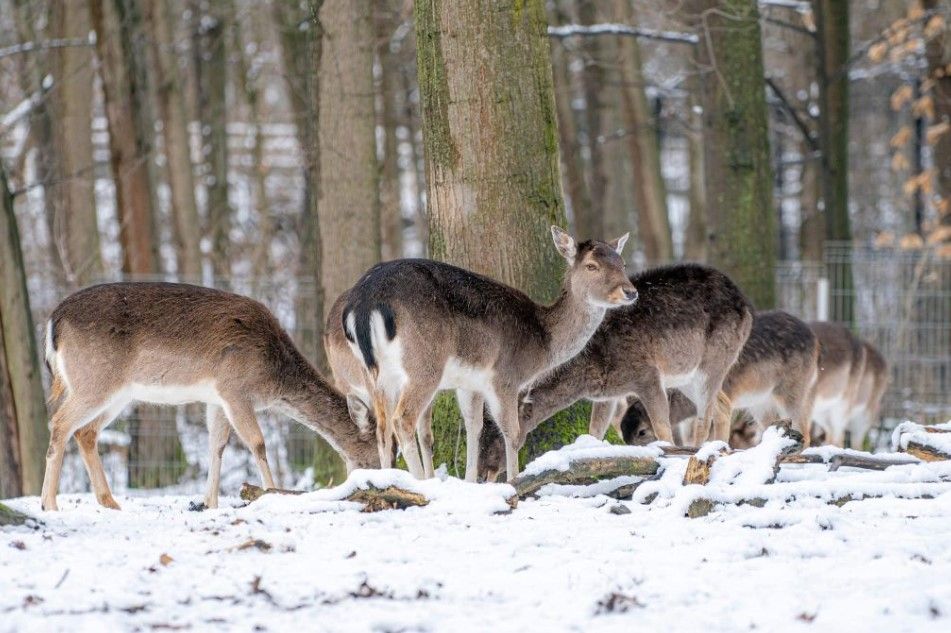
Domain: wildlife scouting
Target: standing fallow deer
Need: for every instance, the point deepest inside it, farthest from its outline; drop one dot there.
(420, 326)
(773, 378)
(685, 332)
(850, 385)
(166, 343)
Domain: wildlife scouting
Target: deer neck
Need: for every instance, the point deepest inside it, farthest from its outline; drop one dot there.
(570, 322)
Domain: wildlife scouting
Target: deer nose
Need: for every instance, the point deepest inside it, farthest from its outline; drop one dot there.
(630, 294)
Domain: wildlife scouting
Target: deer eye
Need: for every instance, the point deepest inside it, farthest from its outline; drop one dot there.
(591, 267)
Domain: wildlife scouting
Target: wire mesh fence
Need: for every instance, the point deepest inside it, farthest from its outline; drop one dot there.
(900, 302)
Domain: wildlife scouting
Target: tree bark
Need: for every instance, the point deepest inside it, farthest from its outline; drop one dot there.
(11, 483)
(491, 139)
(21, 366)
(386, 18)
(71, 190)
(589, 219)
(938, 53)
(736, 145)
(121, 52)
(181, 178)
(212, 72)
(695, 242)
(650, 190)
(832, 25)
(348, 193)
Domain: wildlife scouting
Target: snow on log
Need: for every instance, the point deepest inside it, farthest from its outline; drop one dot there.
(928, 443)
(587, 461)
(373, 499)
(837, 457)
(9, 516)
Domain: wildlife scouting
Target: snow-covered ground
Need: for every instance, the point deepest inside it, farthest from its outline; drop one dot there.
(561, 562)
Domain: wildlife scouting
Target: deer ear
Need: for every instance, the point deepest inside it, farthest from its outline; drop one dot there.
(564, 243)
(618, 244)
(359, 412)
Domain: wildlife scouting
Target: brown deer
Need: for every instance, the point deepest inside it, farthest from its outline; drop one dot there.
(165, 343)
(420, 326)
(685, 332)
(773, 378)
(852, 379)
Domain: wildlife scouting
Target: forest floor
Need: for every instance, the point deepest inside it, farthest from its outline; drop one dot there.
(555, 563)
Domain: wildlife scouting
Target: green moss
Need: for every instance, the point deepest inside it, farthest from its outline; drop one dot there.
(434, 86)
(9, 516)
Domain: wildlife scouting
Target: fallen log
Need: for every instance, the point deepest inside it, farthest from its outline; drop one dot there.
(926, 452)
(928, 443)
(9, 516)
(585, 471)
(374, 499)
(703, 506)
(869, 462)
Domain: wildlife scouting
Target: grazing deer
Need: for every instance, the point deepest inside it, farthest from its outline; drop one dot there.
(851, 383)
(773, 378)
(684, 333)
(420, 326)
(165, 343)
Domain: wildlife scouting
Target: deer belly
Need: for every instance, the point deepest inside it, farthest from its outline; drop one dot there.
(175, 394)
(459, 375)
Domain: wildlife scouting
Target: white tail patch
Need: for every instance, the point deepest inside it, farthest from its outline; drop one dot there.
(391, 376)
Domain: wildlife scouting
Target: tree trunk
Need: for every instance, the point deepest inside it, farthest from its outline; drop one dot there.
(121, 54)
(212, 72)
(386, 18)
(492, 143)
(348, 194)
(20, 369)
(736, 145)
(650, 190)
(695, 242)
(832, 24)
(589, 219)
(938, 53)
(71, 192)
(181, 178)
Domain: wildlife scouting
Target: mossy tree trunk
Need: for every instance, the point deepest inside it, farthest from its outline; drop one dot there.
(21, 385)
(740, 208)
(491, 146)
(832, 25)
(348, 193)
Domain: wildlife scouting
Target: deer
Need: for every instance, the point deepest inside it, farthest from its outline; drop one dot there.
(773, 378)
(852, 379)
(168, 343)
(419, 326)
(685, 332)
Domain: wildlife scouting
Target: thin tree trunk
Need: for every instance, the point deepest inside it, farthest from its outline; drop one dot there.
(212, 72)
(181, 179)
(832, 24)
(21, 364)
(938, 53)
(492, 144)
(387, 19)
(348, 193)
(736, 145)
(589, 219)
(695, 244)
(75, 227)
(11, 483)
(650, 189)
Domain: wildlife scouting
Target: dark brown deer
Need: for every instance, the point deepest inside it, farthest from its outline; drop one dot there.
(773, 379)
(164, 343)
(421, 326)
(685, 332)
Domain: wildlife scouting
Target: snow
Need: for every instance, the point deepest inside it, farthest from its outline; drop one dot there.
(910, 432)
(588, 447)
(562, 562)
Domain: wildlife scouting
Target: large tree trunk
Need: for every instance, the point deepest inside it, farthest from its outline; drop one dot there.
(589, 219)
(21, 380)
(212, 72)
(121, 52)
(11, 483)
(938, 52)
(832, 24)
(71, 192)
(181, 177)
(348, 193)
(387, 19)
(492, 143)
(155, 454)
(736, 145)
(650, 190)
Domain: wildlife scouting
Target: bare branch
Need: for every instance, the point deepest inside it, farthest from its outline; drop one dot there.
(571, 30)
(30, 47)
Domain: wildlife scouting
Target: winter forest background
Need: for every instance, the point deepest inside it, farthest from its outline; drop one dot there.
(278, 149)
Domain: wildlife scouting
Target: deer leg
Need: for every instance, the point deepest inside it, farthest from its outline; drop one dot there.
(87, 438)
(470, 404)
(603, 413)
(424, 432)
(654, 399)
(506, 416)
(218, 433)
(384, 434)
(73, 413)
(405, 419)
(245, 423)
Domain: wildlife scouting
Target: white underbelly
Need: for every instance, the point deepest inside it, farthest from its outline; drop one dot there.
(174, 394)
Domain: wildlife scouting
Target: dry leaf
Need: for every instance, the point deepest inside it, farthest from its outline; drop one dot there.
(901, 96)
(902, 136)
(943, 206)
(165, 560)
(877, 52)
(911, 242)
(935, 26)
(940, 234)
(915, 11)
(924, 107)
(900, 162)
(884, 239)
(809, 21)
(934, 132)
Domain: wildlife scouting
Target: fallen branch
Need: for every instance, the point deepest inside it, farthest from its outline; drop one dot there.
(373, 498)
(869, 462)
(928, 443)
(9, 516)
(585, 471)
(926, 452)
(250, 492)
